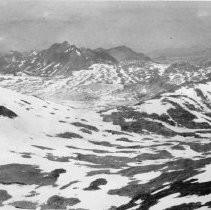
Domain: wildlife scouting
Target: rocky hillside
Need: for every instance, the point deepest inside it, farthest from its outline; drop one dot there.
(184, 112)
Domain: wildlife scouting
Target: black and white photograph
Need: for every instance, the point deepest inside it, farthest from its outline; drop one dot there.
(105, 105)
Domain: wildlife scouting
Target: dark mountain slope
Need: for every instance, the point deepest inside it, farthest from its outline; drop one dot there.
(123, 53)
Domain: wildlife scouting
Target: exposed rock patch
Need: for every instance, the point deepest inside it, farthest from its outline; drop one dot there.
(59, 202)
(52, 157)
(69, 135)
(24, 205)
(86, 126)
(4, 196)
(27, 175)
(42, 147)
(95, 184)
(5, 112)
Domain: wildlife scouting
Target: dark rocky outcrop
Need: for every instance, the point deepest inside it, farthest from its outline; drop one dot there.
(5, 112)
(23, 174)
(59, 202)
(69, 135)
(95, 185)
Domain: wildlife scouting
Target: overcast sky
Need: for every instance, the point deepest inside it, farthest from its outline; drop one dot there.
(143, 26)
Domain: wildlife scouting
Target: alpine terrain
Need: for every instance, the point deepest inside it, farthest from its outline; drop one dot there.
(104, 129)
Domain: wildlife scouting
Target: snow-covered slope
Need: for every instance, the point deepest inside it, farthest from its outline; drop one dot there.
(61, 157)
(185, 111)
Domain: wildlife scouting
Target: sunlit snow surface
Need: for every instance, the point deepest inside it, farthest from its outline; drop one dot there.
(88, 148)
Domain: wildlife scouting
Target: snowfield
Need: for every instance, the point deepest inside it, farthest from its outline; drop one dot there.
(64, 157)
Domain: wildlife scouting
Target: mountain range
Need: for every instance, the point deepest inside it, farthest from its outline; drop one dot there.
(63, 58)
